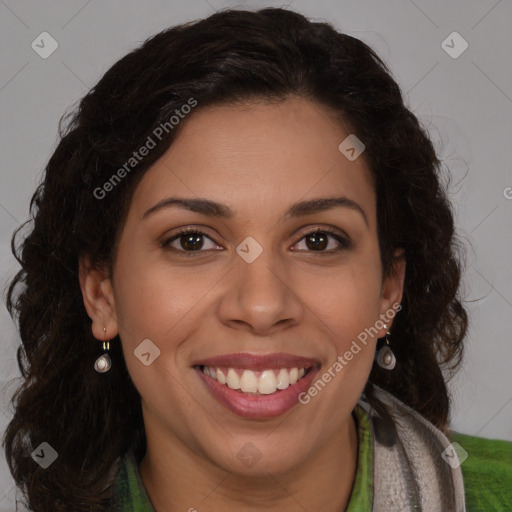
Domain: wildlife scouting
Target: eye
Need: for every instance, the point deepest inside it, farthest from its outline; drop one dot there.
(317, 240)
(189, 240)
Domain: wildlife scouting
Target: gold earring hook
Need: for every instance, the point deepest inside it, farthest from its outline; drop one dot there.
(106, 343)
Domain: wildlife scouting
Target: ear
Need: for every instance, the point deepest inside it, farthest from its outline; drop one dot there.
(98, 299)
(392, 291)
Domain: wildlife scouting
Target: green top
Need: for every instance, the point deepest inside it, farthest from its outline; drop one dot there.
(487, 474)
(131, 496)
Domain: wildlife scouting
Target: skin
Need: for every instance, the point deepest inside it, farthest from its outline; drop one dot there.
(258, 159)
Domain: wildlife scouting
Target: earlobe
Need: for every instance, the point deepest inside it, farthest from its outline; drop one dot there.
(98, 298)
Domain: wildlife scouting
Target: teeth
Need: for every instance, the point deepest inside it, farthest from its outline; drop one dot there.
(233, 380)
(283, 379)
(263, 383)
(267, 383)
(221, 377)
(249, 382)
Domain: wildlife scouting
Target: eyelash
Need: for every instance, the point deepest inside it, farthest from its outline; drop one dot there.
(344, 243)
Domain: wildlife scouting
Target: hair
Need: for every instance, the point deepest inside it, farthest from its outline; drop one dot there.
(232, 56)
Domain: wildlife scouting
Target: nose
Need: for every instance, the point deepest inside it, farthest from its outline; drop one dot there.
(259, 297)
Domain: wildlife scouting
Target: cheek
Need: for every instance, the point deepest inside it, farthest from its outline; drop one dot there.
(348, 306)
(157, 301)
(349, 299)
(348, 316)
(155, 316)
(164, 305)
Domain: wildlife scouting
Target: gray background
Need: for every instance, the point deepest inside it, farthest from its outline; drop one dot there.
(465, 103)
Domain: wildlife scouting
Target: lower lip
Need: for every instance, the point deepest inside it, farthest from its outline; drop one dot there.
(258, 406)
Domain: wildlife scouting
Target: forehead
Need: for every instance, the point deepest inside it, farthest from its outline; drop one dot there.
(260, 156)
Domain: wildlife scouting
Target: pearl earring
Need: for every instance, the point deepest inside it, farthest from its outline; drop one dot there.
(103, 363)
(385, 357)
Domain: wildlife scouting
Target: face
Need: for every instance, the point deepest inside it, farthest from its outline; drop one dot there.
(265, 281)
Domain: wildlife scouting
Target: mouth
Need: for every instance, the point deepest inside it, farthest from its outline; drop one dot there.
(266, 382)
(254, 386)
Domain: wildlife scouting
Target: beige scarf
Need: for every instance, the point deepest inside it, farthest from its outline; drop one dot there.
(409, 473)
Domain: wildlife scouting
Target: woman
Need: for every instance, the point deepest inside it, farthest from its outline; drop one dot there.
(242, 288)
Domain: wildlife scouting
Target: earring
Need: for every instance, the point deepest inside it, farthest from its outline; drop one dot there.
(103, 363)
(385, 357)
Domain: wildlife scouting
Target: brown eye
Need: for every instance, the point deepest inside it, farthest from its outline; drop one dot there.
(191, 242)
(188, 240)
(319, 240)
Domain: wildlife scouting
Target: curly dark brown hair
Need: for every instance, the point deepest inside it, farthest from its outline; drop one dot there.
(234, 55)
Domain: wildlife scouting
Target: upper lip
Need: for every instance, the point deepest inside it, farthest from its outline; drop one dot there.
(258, 362)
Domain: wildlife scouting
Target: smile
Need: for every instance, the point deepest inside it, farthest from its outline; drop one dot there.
(257, 386)
(266, 382)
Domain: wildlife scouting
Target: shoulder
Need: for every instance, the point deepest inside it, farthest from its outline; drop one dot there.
(486, 466)
(409, 467)
(128, 492)
(121, 484)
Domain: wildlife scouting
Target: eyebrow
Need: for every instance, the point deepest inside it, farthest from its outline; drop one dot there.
(214, 209)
